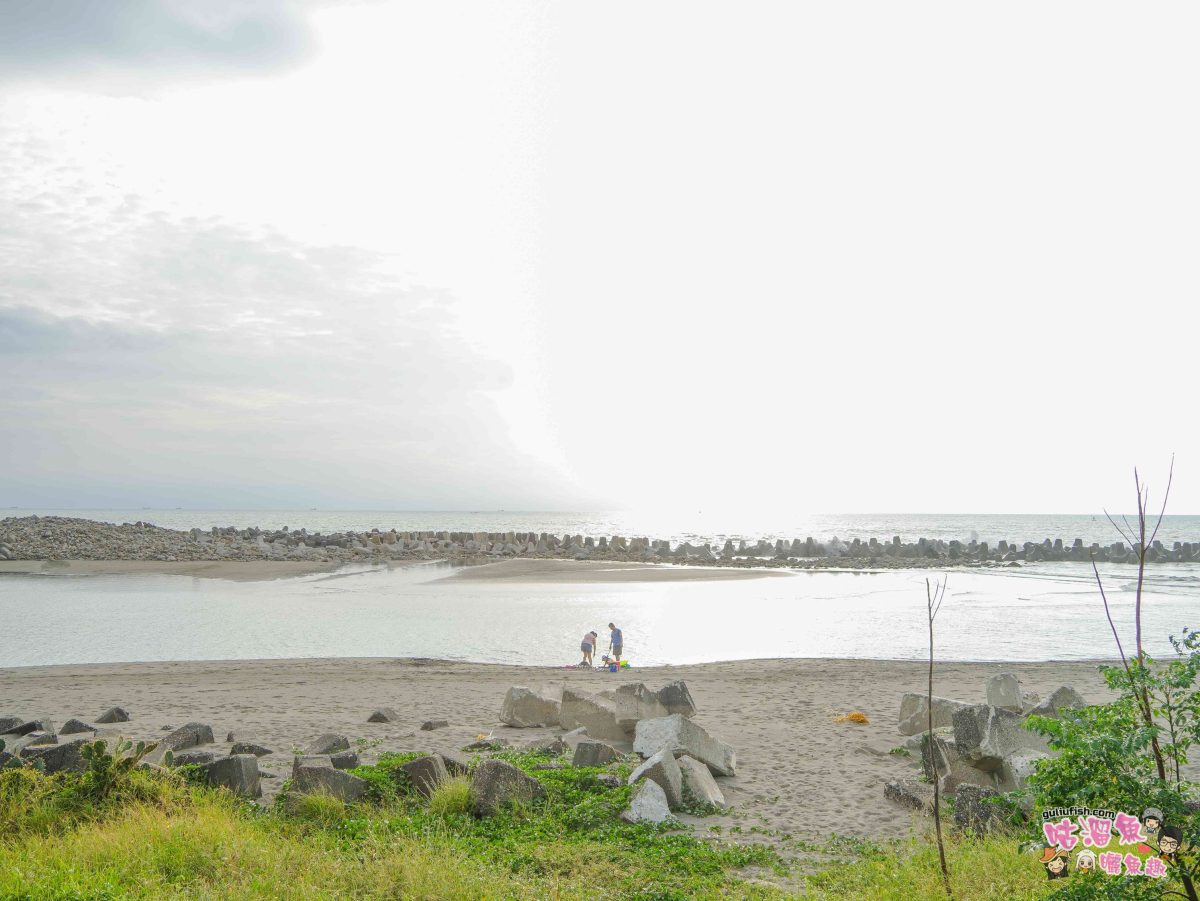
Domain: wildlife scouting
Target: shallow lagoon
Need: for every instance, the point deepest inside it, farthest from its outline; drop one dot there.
(1043, 612)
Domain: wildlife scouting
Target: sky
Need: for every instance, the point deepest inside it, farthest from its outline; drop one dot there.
(928, 257)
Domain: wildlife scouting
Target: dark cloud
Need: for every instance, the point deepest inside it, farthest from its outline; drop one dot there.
(163, 38)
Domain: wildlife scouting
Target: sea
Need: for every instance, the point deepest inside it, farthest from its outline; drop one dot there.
(1042, 611)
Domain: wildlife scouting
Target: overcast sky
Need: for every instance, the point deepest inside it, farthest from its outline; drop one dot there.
(928, 257)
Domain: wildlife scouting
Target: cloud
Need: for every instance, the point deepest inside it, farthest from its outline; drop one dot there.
(59, 39)
(172, 360)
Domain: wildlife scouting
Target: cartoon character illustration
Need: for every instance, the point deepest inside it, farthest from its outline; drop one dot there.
(1169, 840)
(1152, 819)
(1055, 860)
(1085, 861)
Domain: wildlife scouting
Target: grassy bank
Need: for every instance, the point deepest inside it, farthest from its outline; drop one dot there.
(143, 834)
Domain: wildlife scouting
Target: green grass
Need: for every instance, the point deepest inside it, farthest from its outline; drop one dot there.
(148, 835)
(987, 869)
(159, 837)
(451, 799)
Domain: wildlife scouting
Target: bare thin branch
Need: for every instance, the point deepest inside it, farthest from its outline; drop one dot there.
(1111, 625)
(1166, 494)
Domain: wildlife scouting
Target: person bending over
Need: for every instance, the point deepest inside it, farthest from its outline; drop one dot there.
(588, 646)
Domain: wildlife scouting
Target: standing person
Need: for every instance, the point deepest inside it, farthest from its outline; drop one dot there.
(616, 639)
(588, 646)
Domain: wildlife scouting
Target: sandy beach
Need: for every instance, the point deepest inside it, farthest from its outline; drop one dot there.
(798, 770)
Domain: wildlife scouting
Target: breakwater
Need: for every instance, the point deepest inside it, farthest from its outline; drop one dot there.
(64, 538)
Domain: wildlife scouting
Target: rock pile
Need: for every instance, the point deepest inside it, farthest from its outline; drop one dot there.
(61, 538)
(676, 762)
(983, 749)
(679, 758)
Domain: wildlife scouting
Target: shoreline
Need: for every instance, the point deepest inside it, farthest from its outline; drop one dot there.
(652, 670)
(799, 771)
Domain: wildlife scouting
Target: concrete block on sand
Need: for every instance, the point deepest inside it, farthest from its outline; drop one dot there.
(635, 702)
(591, 712)
(684, 736)
(700, 782)
(914, 713)
(648, 805)
(1004, 691)
(328, 743)
(985, 736)
(186, 736)
(662, 768)
(114, 715)
(910, 793)
(527, 707)
(676, 698)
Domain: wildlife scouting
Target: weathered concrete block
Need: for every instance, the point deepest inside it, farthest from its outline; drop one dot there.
(1004, 691)
(238, 774)
(910, 793)
(1014, 771)
(699, 782)
(914, 713)
(676, 698)
(310, 760)
(662, 768)
(325, 780)
(648, 805)
(593, 753)
(591, 712)
(186, 736)
(426, 773)
(327, 743)
(1065, 697)
(684, 736)
(64, 758)
(497, 784)
(188, 758)
(344, 760)
(974, 813)
(552, 746)
(634, 702)
(249, 747)
(114, 715)
(985, 736)
(527, 707)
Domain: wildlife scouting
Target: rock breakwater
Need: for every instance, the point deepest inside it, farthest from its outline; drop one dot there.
(62, 538)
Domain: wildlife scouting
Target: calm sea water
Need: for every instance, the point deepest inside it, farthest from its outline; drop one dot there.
(696, 527)
(1043, 612)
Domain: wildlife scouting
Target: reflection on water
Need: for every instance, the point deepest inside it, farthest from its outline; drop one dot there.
(1047, 612)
